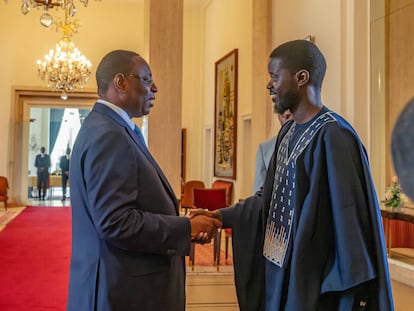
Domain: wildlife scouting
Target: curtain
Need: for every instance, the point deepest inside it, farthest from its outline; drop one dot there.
(56, 116)
(82, 114)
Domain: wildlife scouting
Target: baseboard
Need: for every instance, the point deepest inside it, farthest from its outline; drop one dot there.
(401, 272)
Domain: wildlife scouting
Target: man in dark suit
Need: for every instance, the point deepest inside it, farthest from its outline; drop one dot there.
(64, 167)
(128, 242)
(42, 163)
(265, 152)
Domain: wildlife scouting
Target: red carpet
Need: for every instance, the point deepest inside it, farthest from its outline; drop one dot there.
(34, 258)
(35, 255)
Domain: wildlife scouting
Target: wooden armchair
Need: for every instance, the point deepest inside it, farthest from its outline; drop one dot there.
(228, 185)
(4, 186)
(187, 201)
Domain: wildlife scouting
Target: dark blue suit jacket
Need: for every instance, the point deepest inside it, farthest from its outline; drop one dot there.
(64, 167)
(127, 241)
(64, 164)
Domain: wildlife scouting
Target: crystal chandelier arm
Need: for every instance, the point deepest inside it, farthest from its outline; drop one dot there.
(48, 3)
(65, 68)
(47, 19)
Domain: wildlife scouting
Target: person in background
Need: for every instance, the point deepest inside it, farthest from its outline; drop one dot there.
(64, 167)
(42, 163)
(402, 149)
(264, 153)
(313, 239)
(128, 242)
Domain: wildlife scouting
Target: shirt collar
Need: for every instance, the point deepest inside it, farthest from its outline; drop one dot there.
(119, 111)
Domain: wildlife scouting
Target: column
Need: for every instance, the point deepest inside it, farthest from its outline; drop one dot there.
(164, 29)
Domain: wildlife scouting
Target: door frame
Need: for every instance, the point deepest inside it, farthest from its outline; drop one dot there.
(24, 98)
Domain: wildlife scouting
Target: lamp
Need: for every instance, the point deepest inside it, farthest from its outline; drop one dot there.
(46, 19)
(65, 68)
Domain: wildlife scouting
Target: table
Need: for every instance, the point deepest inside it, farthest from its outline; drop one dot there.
(404, 214)
(54, 181)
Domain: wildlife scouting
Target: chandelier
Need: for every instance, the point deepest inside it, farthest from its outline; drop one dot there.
(46, 19)
(65, 68)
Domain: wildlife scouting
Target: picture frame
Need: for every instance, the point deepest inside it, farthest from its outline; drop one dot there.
(225, 116)
(310, 38)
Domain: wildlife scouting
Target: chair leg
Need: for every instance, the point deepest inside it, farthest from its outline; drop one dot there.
(192, 255)
(217, 246)
(227, 246)
(215, 250)
(185, 209)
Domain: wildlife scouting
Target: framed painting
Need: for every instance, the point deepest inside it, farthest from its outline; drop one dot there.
(310, 38)
(225, 120)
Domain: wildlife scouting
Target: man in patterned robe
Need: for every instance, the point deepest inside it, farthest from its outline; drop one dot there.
(312, 240)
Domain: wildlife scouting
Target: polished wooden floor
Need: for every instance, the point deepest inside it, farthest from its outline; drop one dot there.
(208, 289)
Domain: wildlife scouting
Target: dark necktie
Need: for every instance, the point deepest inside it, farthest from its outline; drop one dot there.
(141, 137)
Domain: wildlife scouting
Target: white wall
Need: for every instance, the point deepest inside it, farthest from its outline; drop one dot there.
(321, 19)
(228, 25)
(104, 27)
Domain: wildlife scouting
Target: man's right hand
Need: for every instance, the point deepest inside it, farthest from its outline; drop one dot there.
(203, 228)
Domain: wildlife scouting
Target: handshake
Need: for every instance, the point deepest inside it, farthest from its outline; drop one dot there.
(204, 225)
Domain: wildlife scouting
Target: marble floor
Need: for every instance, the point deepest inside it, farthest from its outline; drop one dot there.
(403, 296)
(215, 291)
(208, 289)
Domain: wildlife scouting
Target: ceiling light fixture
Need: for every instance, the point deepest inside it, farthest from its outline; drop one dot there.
(65, 68)
(46, 19)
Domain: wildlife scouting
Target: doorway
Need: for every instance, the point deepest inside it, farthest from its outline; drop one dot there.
(24, 100)
(54, 129)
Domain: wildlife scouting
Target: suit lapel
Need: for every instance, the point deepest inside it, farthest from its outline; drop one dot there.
(101, 108)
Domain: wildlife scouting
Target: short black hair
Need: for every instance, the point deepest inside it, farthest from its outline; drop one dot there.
(118, 61)
(302, 54)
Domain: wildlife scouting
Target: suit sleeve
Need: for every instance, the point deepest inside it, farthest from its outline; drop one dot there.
(260, 170)
(127, 201)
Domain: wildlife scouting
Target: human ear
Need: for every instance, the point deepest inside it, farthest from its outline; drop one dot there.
(302, 77)
(119, 82)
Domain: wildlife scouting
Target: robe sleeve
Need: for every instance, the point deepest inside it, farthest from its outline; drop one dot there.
(245, 218)
(354, 258)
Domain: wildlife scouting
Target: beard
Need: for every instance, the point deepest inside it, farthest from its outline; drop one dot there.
(288, 100)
